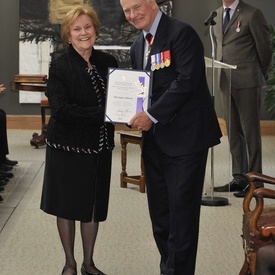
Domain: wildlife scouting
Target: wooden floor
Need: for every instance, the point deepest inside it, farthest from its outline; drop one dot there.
(27, 122)
(34, 123)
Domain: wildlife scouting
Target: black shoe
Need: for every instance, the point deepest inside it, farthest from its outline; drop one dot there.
(3, 183)
(2, 189)
(84, 272)
(234, 185)
(5, 168)
(6, 174)
(2, 178)
(242, 193)
(67, 267)
(1, 198)
(10, 162)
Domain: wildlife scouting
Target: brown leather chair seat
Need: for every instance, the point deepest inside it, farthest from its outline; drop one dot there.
(256, 219)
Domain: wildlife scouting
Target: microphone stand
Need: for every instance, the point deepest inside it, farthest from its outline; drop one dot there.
(211, 200)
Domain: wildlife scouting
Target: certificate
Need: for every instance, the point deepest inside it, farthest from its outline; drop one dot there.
(128, 93)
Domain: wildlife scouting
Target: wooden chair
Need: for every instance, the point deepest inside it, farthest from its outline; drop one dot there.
(39, 140)
(257, 223)
(44, 104)
(134, 137)
(34, 83)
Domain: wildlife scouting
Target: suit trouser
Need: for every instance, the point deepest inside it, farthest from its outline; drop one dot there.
(244, 132)
(3, 135)
(174, 190)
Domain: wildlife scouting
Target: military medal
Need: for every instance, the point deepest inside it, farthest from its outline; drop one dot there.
(153, 62)
(167, 58)
(162, 60)
(238, 29)
(157, 61)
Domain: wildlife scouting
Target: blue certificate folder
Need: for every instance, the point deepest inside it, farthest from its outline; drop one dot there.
(128, 93)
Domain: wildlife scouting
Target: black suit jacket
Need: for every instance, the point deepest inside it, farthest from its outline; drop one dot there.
(76, 118)
(181, 101)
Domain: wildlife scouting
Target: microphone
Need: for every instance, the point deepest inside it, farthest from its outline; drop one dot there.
(210, 18)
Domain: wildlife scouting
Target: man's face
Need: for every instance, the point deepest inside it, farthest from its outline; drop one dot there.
(227, 3)
(140, 13)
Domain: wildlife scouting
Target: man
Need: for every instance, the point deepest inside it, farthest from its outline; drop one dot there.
(178, 128)
(5, 163)
(244, 42)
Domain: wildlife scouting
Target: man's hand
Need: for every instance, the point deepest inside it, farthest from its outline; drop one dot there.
(141, 121)
(2, 88)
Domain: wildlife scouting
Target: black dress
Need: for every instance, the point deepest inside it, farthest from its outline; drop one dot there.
(76, 185)
(79, 144)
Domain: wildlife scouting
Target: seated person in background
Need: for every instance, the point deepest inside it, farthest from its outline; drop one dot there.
(265, 262)
(2, 88)
(5, 163)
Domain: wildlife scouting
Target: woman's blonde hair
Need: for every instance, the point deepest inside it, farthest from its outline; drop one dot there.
(73, 14)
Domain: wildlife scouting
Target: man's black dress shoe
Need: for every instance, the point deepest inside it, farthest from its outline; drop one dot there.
(234, 185)
(84, 272)
(6, 174)
(242, 193)
(2, 178)
(5, 168)
(10, 162)
(2, 183)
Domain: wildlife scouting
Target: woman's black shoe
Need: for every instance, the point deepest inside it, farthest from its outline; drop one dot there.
(65, 269)
(84, 272)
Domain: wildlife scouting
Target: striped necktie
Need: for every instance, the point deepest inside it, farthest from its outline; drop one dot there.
(226, 19)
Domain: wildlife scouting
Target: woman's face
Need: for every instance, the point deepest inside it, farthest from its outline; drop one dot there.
(82, 34)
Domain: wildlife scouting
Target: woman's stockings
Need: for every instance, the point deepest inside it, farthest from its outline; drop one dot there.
(88, 234)
(66, 229)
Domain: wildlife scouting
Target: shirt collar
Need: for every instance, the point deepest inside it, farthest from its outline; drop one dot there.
(233, 6)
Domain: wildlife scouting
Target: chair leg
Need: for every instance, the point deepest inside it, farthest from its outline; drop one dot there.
(252, 263)
(39, 140)
(245, 268)
(249, 264)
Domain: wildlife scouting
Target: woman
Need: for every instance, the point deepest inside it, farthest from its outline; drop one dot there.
(79, 143)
